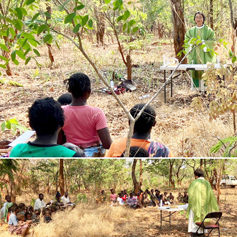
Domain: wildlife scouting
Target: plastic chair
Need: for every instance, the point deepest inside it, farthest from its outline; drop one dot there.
(208, 225)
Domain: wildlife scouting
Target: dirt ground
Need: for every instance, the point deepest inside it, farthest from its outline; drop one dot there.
(180, 127)
(104, 220)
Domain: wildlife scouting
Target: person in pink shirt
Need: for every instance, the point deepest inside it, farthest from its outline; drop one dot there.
(113, 197)
(85, 125)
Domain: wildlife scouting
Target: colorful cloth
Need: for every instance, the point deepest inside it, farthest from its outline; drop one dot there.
(82, 123)
(155, 149)
(33, 150)
(201, 199)
(198, 55)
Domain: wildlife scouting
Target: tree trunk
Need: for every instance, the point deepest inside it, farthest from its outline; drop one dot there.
(234, 26)
(178, 27)
(211, 14)
(129, 67)
(48, 17)
(136, 185)
(201, 164)
(140, 178)
(61, 177)
(171, 181)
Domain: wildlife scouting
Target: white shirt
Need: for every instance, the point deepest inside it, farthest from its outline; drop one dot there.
(120, 201)
(39, 204)
(65, 200)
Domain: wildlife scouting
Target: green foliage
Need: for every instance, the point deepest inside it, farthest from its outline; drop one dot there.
(16, 34)
(13, 124)
(82, 198)
(229, 144)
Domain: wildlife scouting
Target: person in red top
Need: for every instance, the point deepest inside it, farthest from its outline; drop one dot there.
(85, 125)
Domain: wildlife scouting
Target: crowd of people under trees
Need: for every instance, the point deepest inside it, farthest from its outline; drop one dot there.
(141, 199)
(20, 217)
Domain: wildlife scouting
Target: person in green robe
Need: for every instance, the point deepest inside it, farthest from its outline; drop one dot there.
(201, 201)
(200, 55)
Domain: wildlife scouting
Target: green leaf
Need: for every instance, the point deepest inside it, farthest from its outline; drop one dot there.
(69, 17)
(119, 18)
(3, 66)
(124, 26)
(28, 2)
(35, 16)
(234, 59)
(4, 58)
(27, 60)
(36, 52)
(107, 1)
(8, 124)
(27, 51)
(76, 28)
(33, 42)
(41, 29)
(13, 128)
(126, 15)
(16, 62)
(4, 47)
(132, 22)
(19, 13)
(78, 8)
(84, 20)
(20, 54)
(3, 126)
(13, 55)
(231, 53)
(135, 29)
(90, 23)
(23, 10)
(48, 38)
(18, 24)
(12, 31)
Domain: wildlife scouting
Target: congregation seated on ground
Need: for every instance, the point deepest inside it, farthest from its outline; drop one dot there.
(85, 125)
(141, 135)
(46, 117)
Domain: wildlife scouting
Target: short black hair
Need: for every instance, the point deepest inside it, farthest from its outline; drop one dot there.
(146, 120)
(204, 18)
(46, 116)
(199, 173)
(136, 151)
(78, 84)
(65, 99)
(41, 194)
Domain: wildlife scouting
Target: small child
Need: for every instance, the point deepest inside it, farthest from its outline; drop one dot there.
(165, 199)
(180, 197)
(185, 197)
(47, 216)
(171, 198)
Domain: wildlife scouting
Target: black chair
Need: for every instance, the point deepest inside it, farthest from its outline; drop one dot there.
(210, 225)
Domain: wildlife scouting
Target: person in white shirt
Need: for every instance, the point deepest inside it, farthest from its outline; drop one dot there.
(65, 199)
(39, 203)
(120, 200)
